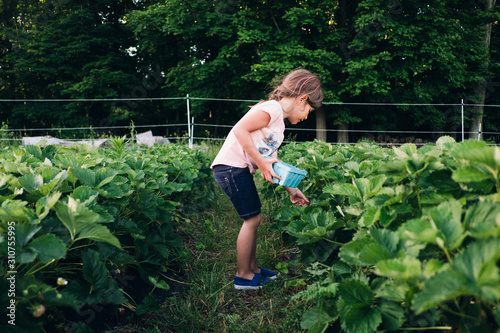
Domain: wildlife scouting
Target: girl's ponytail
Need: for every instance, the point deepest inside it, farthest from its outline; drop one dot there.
(297, 83)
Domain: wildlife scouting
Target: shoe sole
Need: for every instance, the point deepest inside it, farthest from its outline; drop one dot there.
(238, 287)
(274, 277)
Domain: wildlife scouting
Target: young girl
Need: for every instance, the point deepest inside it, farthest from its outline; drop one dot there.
(253, 143)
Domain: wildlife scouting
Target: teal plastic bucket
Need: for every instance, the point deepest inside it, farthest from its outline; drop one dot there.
(290, 175)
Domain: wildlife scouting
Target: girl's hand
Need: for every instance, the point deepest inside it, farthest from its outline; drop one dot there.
(298, 198)
(266, 169)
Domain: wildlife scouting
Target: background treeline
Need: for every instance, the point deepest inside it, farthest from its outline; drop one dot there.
(366, 51)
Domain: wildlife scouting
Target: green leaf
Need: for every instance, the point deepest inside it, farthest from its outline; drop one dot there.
(15, 210)
(393, 290)
(447, 218)
(360, 318)
(98, 233)
(479, 164)
(312, 318)
(149, 304)
(54, 180)
(31, 182)
(34, 150)
(85, 194)
(114, 191)
(364, 251)
(102, 289)
(354, 292)
(25, 232)
(104, 176)
(478, 266)
(373, 253)
(315, 320)
(86, 176)
(434, 198)
(473, 272)
(370, 216)
(393, 315)
(387, 238)
(439, 288)
(370, 187)
(432, 266)
(26, 255)
(407, 268)
(475, 151)
(389, 214)
(63, 298)
(49, 247)
(445, 142)
(75, 216)
(45, 204)
(439, 182)
(313, 227)
(470, 174)
(496, 312)
(482, 219)
(344, 189)
(94, 270)
(419, 230)
(310, 236)
(406, 150)
(159, 284)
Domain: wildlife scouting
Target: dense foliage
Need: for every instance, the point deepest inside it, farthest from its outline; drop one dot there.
(389, 51)
(397, 239)
(86, 230)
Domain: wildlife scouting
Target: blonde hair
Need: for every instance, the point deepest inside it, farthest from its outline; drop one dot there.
(297, 83)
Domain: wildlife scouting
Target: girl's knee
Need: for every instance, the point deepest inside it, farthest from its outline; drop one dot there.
(254, 221)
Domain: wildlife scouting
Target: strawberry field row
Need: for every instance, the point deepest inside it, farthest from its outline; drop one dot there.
(78, 224)
(397, 239)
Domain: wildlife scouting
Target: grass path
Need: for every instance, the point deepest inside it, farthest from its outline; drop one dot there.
(207, 300)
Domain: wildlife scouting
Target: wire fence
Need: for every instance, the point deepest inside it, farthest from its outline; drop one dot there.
(189, 128)
(386, 138)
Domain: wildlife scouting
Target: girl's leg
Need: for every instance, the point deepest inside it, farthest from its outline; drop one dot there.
(253, 260)
(246, 245)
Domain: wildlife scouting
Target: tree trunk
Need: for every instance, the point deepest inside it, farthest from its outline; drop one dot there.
(343, 134)
(321, 125)
(475, 127)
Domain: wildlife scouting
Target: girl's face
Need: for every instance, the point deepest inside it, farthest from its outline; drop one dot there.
(300, 110)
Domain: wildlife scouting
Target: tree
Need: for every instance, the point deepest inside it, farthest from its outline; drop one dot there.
(413, 52)
(383, 51)
(477, 119)
(67, 49)
(233, 50)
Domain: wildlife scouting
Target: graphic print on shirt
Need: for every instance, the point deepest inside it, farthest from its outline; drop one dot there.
(267, 146)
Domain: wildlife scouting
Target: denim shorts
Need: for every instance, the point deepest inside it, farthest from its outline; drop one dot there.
(239, 185)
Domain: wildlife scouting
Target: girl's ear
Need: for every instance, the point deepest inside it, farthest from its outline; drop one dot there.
(303, 98)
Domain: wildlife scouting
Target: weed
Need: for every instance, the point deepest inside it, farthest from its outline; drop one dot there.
(7, 137)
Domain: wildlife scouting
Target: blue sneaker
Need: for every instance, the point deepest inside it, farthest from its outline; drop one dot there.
(269, 274)
(255, 283)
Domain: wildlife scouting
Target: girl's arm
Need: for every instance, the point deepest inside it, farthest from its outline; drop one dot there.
(249, 123)
(296, 196)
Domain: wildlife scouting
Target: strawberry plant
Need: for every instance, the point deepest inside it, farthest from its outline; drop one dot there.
(411, 235)
(91, 218)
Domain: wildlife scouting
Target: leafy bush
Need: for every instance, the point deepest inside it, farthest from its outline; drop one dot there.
(410, 238)
(78, 224)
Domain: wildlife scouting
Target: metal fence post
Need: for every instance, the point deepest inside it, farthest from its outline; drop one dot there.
(190, 134)
(191, 139)
(462, 119)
